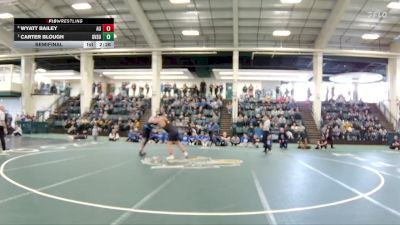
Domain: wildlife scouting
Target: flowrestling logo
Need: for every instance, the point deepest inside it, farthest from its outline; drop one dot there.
(193, 162)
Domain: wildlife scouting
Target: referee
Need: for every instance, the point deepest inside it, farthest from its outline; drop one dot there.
(266, 128)
(3, 127)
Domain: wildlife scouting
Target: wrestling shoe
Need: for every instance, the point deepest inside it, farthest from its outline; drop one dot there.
(142, 154)
(170, 157)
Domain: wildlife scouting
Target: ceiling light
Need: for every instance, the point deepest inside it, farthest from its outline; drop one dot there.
(248, 74)
(281, 33)
(6, 15)
(267, 78)
(281, 12)
(266, 73)
(127, 73)
(66, 78)
(81, 6)
(141, 77)
(174, 77)
(191, 32)
(141, 73)
(290, 1)
(356, 77)
(370, 36)
(57, 74)
(393, 5)
(190, 53)
(179, 1)
(41, 70)
(172, 72)
(193, 13)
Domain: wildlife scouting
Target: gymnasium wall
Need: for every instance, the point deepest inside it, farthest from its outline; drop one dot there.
(13, 105)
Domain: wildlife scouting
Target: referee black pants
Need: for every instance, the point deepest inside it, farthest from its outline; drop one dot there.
(2, 134)
(265, 136)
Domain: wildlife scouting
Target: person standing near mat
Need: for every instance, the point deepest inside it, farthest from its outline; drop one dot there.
(329, 136)
(266, 127)
(173, 137)
(3, 127)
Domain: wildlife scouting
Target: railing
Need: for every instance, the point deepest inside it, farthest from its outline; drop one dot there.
(43, 115)
(389, 116)
(34, 127)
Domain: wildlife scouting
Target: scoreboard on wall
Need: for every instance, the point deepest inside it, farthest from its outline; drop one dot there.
(64, 33)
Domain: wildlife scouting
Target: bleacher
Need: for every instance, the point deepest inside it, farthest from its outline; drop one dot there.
(352, 121)
(192, 112)
(106, 112)
(282, 113)
(69, 110)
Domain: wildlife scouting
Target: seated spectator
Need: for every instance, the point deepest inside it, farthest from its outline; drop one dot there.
(206, 141)
(224, 139)
(395, 145)
(322, 143)
(185, 139)
(259, 131)
(192, 139)
(383, 134)
(80, 136)
(244, 140)
(17, 131)
(213, 130)
(95, 132)
(71, 130)
(255, 141)
(289, 134)
(133, 135)
(268, 144)
(199, 139)
(282, 139)
(336, 132)
(113, 136)
(303, 143)
(235, 140)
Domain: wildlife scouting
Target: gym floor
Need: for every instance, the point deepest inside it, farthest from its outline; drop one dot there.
(48, 179)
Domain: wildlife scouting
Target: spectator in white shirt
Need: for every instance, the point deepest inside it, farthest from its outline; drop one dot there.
(17, 131)
(114, 136)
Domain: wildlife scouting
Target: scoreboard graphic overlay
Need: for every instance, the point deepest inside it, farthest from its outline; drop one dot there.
(64, 32)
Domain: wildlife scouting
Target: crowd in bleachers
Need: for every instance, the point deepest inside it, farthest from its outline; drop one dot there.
(108, 113)
(197, 111)
(193, 109)
(352, 121)
(70, 110)
(193, 112)
(118, 108)
(192, 90)
(282, 112)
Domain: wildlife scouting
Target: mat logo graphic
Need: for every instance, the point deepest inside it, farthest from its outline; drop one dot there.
(193, 162)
